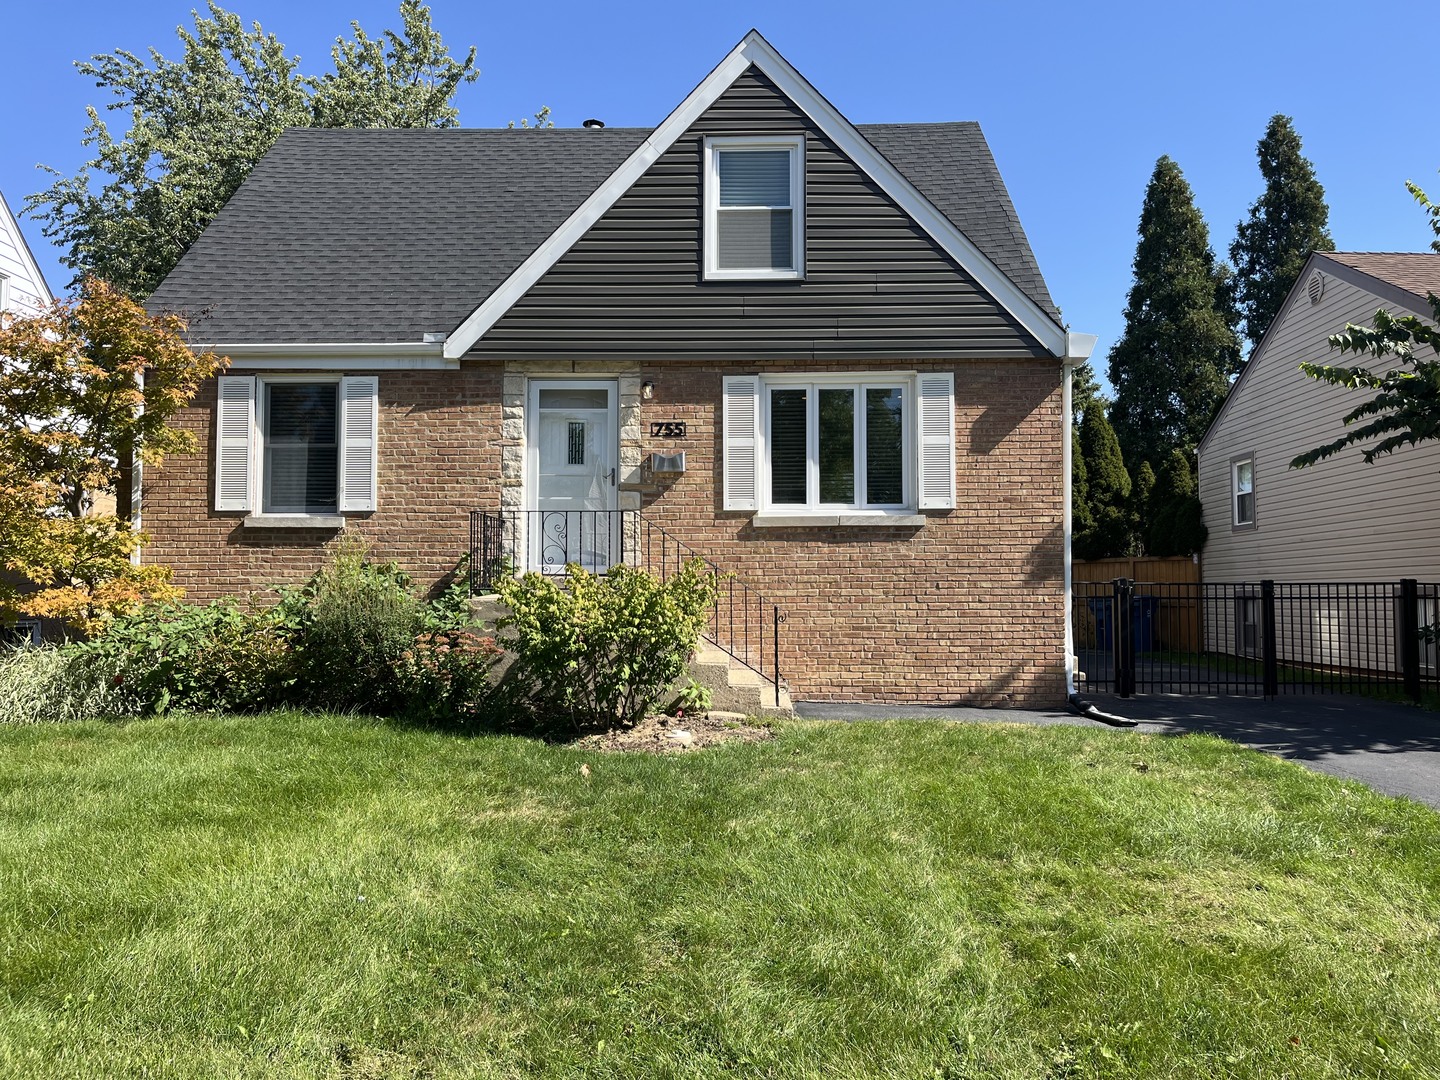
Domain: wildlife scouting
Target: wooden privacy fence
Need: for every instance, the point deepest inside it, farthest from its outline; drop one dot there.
(1180, 626)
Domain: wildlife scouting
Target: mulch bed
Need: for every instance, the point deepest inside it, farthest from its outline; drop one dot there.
(670, 734)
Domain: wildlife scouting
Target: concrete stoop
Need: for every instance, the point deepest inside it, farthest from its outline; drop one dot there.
(734, 687)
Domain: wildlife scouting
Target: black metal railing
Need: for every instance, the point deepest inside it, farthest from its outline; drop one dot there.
(1260, 638)
(743, 623)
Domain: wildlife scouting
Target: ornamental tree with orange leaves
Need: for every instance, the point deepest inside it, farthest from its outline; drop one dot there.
(87, 387)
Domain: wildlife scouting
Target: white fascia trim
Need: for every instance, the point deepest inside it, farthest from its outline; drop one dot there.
(336, 356)
(755, 50)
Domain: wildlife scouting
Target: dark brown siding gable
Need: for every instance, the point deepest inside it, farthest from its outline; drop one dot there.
(876, 284)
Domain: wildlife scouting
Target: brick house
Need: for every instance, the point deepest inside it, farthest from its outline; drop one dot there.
(842, 330)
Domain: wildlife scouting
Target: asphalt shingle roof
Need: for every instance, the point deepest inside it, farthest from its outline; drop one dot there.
(1416, 272)
(352, 235)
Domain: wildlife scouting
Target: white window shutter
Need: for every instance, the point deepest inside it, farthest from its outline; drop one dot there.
(234, 441)
(359, 419)
(937, 440)
(741, 449)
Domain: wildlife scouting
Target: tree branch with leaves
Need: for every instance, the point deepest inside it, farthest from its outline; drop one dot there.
(1405, 409)
(85, 386)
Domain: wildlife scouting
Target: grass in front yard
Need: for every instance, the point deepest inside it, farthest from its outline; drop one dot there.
(299, 895)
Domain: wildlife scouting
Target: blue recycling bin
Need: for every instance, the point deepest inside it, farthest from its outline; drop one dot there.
(1142, 621)
(1100, 608)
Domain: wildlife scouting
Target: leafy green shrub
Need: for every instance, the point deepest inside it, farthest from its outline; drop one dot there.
(350, 627)
(447, 676)
(218, 656)
(600, 650)
(55, 683)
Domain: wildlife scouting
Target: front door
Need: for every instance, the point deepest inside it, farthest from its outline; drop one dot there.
(571, 489)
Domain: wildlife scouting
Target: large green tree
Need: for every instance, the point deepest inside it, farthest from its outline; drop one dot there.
(1174, 524)
(1287, 223)
(1105, 510)
(1405, 409)
(198, 125)
(1173, 362)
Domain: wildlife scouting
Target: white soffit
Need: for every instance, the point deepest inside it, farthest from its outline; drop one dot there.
(755, 50)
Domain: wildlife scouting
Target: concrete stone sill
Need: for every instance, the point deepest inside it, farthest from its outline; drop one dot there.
(294, 521)
(806, 521)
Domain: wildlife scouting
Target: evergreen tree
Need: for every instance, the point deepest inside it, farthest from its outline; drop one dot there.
(1172, 364)
(1176, 524)
(1286, 223)
(199, 124)
(1143, 499)
(1107, 490)
(1081, 520)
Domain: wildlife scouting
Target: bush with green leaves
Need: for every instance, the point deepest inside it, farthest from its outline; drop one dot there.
(349, 628)
(600, 650)
(446, 677)
(218, 656)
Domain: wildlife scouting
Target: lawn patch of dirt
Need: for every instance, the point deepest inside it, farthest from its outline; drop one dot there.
(669, 734)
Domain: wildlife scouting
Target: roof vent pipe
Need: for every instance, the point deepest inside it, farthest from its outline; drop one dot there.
(594, 125)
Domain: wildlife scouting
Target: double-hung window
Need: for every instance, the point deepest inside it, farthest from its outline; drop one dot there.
(817, 446)
(755, 208)
(1242, 486)
(296, 449)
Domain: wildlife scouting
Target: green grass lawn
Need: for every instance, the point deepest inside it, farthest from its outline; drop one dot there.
(295, 895)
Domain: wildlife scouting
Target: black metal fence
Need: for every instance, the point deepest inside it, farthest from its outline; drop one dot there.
(743, 623)
(1259, 638)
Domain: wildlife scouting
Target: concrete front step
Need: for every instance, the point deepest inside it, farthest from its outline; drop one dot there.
(734, 687)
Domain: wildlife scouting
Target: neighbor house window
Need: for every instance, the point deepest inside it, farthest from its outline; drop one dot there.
(838, 445)
(1247, 625)
(755, 208)
(1242, 483)
(300, 437)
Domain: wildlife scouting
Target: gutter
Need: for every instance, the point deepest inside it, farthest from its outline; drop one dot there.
(1078, 348)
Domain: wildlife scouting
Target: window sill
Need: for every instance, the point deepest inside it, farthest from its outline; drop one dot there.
(802, 521)
(294, 521)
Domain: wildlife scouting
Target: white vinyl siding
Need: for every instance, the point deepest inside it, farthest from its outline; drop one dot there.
(1340, 519)
(23, 289)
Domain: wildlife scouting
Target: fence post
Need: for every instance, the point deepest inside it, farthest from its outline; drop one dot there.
(1408, 635)
(1270, 663)
(1123, 637)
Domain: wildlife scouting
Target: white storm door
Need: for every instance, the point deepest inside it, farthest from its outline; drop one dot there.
(574, 461)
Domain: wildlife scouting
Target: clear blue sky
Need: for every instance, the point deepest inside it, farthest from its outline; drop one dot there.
(1077, 100)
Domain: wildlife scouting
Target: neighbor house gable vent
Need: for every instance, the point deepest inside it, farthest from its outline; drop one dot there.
(1316, 287)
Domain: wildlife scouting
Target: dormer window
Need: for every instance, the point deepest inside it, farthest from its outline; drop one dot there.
(755, 208)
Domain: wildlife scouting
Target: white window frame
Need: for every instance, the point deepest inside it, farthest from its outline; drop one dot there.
(1235, 492)
(715, 145)
(262, 439)
(859, 382)
(4, 291)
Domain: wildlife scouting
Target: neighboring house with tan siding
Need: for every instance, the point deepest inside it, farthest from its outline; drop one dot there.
(820, 355)
(1340, 519)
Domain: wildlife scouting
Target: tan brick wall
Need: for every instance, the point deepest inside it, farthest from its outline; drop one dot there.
(439, 458)
(968, 608)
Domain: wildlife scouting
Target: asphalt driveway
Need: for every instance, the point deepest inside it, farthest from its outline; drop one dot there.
(1394, 748)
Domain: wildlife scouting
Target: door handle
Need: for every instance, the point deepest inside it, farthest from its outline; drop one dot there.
(612, 477)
